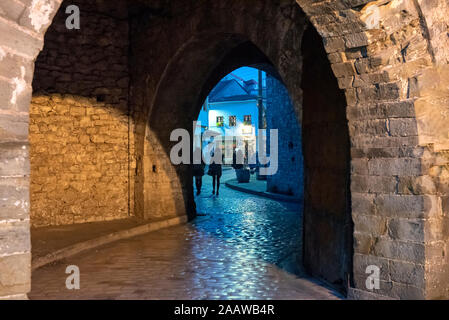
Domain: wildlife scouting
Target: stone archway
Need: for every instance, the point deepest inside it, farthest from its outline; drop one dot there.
(395, 80)
(186, 82)
(23, 27)
(397, 177)
(192, 73)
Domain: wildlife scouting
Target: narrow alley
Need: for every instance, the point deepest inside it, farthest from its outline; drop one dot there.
(240, 247)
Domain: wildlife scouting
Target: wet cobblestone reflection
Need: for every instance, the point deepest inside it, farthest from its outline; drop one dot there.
(255, 227)
(240, 247)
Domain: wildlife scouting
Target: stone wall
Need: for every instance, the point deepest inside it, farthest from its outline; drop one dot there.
(402, 230)
(328, 227)
(80, 129)
(281, 115)
(393, 129)
(79, 161)
(21, 27)
(91, 61)
(436, 234)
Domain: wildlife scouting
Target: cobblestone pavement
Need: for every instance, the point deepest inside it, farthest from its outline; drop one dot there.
(240, 247)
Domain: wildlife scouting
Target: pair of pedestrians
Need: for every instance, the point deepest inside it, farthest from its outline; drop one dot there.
(215, 171)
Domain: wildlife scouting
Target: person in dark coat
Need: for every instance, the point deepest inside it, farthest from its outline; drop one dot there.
(198, 171)
(237, 159)
(215, 169)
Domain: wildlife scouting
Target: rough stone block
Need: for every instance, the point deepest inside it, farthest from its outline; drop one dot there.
(404, 206)
(394, 167)
(6, 90)
(11, 10)
(363, 243)
(14, 159)
(407, 292)
(14, 237)
(334, 44)
(15, 275)
(370, 224)
(362, 262)
(356, 40)
(407, 273)
(373, 184)
(403, 127)
(400, 250)
(385, 289)
(416, 185)
(345, 69)
(363, 203)
(406, 229)
(13, 128)
(19, 41)
(14, 198)
(39, 16)
(359, 166)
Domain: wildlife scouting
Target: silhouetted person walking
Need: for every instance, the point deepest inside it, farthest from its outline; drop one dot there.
(215, 169)
(198, 171)
(237, 159)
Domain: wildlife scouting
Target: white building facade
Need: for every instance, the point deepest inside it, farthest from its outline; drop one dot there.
(231, 112)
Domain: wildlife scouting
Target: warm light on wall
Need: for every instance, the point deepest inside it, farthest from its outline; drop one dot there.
(247, 129)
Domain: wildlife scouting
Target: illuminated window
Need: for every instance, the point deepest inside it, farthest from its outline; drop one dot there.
(247, 120)
(220, 121)
(232, 121)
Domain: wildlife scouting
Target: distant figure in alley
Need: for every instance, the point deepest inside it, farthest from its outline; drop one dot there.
(198, 171)
(215, 169)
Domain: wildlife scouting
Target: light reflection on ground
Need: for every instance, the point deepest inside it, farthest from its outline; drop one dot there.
(243, 247)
